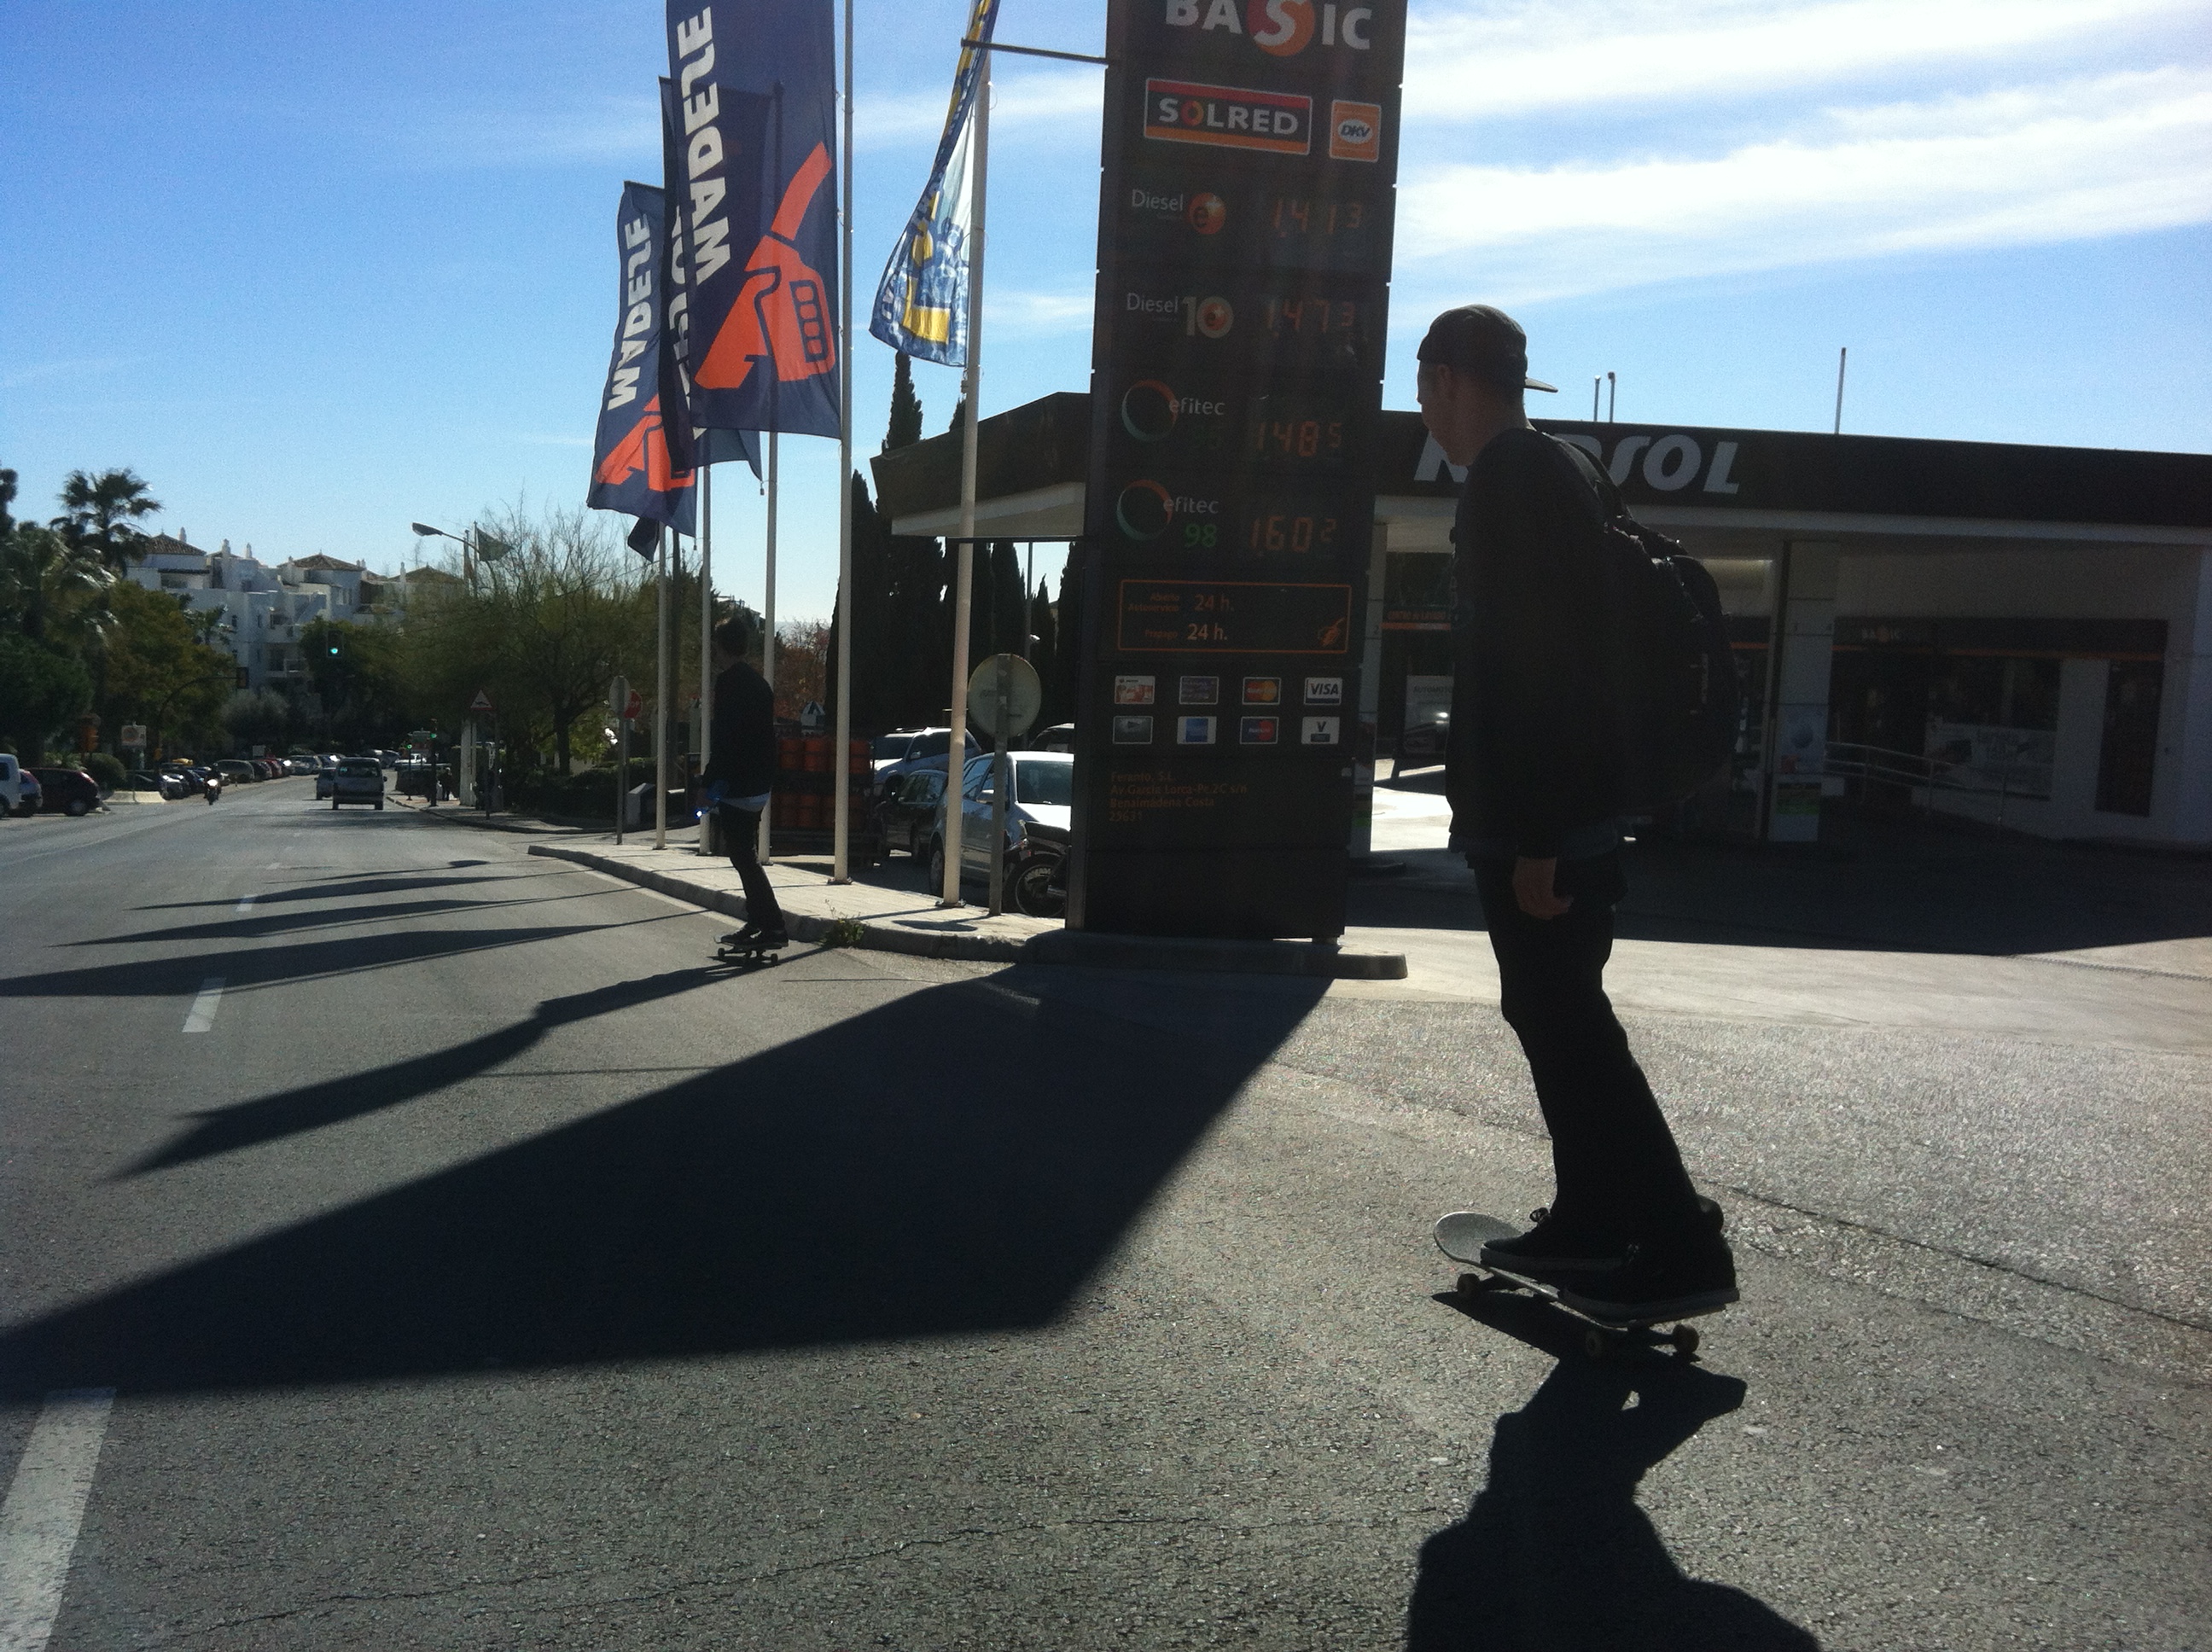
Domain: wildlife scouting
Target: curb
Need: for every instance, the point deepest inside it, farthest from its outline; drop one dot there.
(1307, 958)
(1056, 947)
(875, 937)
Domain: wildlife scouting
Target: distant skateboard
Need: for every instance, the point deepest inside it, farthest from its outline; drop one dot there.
(1462, 1236)
(747, 953)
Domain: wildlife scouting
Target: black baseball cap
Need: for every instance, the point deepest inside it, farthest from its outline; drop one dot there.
(1486, 343)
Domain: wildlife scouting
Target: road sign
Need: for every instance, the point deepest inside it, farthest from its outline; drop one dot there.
(133, 737)
(1024, 695)
(481, 702)
(634, 706)
(1244, 244)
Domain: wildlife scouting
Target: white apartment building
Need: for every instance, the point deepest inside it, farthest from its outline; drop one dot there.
(264, 606)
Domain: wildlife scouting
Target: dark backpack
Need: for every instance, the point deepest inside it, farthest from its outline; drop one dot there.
(1680, 701)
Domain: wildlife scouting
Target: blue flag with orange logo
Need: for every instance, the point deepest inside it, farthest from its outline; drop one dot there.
(753, 144)
(921, 305)
(632, 470)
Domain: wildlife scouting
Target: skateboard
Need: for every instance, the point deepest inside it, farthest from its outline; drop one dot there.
(1462, 1236)
(749, 955)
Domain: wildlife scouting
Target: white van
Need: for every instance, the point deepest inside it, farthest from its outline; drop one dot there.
(11, 787)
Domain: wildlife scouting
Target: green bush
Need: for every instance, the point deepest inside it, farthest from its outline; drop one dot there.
(104, 767)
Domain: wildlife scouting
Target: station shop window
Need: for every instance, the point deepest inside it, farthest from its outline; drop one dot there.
(1980, 697)
(2129, 760)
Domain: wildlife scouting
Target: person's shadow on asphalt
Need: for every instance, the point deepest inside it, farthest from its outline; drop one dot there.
(1554, 1556)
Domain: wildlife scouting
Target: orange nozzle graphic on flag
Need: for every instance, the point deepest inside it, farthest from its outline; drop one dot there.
(645, 448)
(782, 311)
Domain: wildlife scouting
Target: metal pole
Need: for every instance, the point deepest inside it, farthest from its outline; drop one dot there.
(1595, 383)
(956, 749)
(767, 632)
(706, 638)
(841, 757)
(1002, 777)
(1843, 356)
(660, 697)
(1612, 397)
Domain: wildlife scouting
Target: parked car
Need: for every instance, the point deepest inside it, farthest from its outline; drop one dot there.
(1425, 742)
(13, 797)
(28, 791)
(358, 779)
(325, 782)
(909, 810)
(911, 749)
(169, 783)
(1043, 798)
(1061, 737)
(236, 771)
(68, 791)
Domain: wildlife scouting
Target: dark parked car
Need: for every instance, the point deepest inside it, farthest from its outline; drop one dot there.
(169, 783)
(1061, 737)
(236, 771)
(67, 791)
(909, 809)
(910, 750)
(1424, 742)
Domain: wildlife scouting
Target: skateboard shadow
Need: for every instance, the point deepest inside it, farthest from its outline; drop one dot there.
(839, 1188)
(1554, 1555)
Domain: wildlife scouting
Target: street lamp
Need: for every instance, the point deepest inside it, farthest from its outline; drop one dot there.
(475, 543)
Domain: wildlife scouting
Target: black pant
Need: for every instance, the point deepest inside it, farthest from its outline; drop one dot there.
(740, 830)
(1613, 1156)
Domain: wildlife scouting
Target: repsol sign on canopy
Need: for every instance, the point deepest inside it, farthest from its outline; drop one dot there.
(1237, 349)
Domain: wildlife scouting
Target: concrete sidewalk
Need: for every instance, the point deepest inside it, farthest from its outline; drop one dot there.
(892, 919)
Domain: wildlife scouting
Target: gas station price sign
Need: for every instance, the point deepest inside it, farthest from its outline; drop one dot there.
(1246, 209)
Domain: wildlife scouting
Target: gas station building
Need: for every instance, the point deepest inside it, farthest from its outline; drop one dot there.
(2019, 634)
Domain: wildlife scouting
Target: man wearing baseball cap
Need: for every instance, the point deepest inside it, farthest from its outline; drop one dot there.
(1535, 775)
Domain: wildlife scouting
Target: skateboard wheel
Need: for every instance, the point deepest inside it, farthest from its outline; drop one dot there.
(1686, 1340)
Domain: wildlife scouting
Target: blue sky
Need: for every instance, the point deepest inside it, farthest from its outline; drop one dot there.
(319, 272)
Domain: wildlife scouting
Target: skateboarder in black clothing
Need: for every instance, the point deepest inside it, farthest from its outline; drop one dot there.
(740, 774)
(1534, 775)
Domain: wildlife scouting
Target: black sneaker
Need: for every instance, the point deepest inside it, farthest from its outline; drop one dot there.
(1556, 1245)
(1691, 1275)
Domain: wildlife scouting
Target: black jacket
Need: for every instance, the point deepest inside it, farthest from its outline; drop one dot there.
(1534, 759)
(743, 754)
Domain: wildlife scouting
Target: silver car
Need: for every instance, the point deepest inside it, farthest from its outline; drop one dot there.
(357, 780)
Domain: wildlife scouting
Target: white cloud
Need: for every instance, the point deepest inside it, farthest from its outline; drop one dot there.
(1024, 104)
(2106, 156)
(1468, 62)
(1029, 314)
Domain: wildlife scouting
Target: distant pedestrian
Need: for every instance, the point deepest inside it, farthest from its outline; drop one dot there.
(1535, 773)
(741, 776)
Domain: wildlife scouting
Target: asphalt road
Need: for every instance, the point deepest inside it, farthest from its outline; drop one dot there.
(473, 1266)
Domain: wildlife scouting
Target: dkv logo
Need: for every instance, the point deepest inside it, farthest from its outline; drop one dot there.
(1282, 28)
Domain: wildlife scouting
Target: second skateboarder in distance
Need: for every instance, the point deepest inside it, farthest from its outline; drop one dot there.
(740, 776)
(1536, 772)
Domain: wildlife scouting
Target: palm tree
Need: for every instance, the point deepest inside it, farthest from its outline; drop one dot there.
(101, 511)
(48, 584)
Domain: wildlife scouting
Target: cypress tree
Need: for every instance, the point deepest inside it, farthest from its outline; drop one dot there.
(906, 408)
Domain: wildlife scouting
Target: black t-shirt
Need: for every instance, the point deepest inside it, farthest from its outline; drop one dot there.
(1535, 758)
(743, 754)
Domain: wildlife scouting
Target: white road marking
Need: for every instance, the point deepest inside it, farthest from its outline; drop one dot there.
(45, 1506)
(199, 1018)
(245, 902)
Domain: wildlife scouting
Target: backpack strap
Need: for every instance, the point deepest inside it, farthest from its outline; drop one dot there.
(1606, 497)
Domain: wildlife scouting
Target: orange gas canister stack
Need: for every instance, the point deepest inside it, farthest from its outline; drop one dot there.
(817, 755)
(790, 753)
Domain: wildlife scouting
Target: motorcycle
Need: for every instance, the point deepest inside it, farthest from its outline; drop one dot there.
(214, 790)
(1036, 874)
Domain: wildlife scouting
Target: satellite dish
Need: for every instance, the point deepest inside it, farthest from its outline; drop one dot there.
(1024, 695)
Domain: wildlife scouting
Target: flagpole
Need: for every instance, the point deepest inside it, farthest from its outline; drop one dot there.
(706, 637)
(660, 699)
(956, 749)
(841, 756)
(767, 636)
